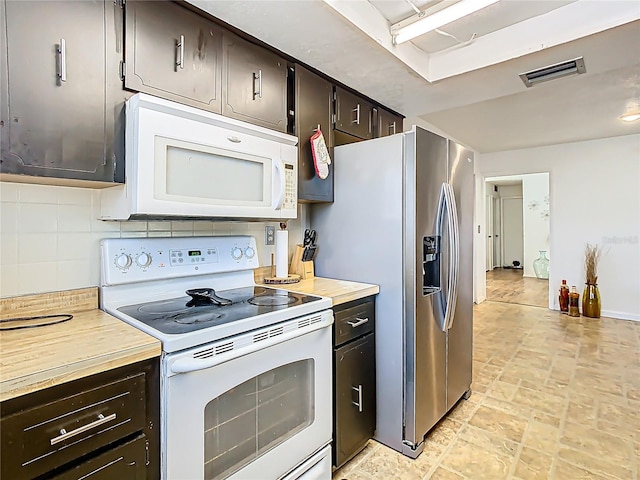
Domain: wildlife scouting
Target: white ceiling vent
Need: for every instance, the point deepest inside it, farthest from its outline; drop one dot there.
(558, 70)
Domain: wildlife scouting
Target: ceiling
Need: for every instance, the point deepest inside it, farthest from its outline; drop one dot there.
(469, 90)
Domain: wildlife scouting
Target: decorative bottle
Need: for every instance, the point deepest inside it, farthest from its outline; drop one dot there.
(591, 301)
(574, 299)
(563, 298)
(541, 265)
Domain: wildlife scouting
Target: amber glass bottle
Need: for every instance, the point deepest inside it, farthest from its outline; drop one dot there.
(574, 300)
(563, 298)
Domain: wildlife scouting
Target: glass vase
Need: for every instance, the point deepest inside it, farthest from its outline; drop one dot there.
(541, 265)
(591, 301)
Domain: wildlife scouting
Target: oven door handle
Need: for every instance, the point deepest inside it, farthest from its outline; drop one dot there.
(193, 364)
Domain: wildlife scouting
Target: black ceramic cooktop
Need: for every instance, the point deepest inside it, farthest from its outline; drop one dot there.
(205, 308)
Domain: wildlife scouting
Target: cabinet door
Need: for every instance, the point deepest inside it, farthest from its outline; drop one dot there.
(313, 108)
(254, 84)
(60, 58)
(387, 123)
(354, 115)
(126, 462)
(355, 390)
(173, 53)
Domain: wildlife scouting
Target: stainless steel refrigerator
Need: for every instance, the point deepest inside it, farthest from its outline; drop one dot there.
(403, 219)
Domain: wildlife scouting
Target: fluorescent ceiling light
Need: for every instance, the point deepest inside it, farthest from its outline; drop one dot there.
(438, 19)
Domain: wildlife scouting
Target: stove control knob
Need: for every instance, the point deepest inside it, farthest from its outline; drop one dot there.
(249, 252)
(123, 261)
(143, 260)
(236, 253)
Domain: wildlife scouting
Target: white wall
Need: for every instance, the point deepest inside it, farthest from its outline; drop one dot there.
(50, 236)
(535, 204)
(594, 190)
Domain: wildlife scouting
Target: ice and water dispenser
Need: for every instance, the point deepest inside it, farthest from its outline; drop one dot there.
(431, 265)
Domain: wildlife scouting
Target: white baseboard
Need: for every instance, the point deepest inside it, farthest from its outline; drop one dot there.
(620, 315)
(611, 314)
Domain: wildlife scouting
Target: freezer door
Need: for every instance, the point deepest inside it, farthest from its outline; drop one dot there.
(460, 332)
(426, 264)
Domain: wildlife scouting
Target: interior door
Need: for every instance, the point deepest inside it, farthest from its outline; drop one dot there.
(512, 230)
(489, 229)
(497, 239)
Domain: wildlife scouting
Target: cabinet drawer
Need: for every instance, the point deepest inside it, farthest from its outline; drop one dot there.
(39, 439)
(354, 321)
(125, 462)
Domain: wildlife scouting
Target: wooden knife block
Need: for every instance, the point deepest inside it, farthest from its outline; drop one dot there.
(304, 269)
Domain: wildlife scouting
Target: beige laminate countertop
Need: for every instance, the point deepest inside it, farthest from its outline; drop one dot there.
(91, 342)
(340, 291)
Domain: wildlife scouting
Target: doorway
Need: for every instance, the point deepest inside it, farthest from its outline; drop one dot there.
(517, 230)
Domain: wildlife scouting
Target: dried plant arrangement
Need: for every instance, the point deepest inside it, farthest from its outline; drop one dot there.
(591, 258)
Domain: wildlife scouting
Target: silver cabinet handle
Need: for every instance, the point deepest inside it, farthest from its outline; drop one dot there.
(360, 321)
(357, 110)
(65, 435)
(258, 77)
(180, 53)
(234, 139)
(393, 125)
(359, 402)
(62, 61)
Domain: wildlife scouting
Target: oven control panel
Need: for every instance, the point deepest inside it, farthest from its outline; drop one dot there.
(126, 260)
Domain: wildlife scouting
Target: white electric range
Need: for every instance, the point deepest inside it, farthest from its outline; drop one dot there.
(246, 369)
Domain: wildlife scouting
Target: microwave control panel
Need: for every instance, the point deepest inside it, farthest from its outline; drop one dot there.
(290, 191)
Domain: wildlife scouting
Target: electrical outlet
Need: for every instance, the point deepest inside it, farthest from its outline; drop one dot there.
(269, 235)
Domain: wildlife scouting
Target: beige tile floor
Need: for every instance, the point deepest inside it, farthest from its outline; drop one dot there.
(509, 285)
(554, 397)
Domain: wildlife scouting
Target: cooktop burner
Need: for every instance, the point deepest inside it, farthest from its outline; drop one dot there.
(205, 308)
(272, 300)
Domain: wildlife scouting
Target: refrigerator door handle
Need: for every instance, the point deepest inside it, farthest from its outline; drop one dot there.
(454, 254)
(442, 206)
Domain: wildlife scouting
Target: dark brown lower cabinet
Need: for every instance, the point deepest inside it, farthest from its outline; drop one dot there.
(126, 462)
(354, 379)
(104, 426)
(355, 415)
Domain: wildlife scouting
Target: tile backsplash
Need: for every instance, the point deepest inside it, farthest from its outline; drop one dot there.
(50, 236)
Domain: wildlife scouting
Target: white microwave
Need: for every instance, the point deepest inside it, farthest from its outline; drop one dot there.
(182, 162)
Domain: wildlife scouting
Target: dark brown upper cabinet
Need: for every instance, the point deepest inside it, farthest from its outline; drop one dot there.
(354, 115)
(387, 123)
(254, 84)
(62, 96)
(173, 53)
(313, 109)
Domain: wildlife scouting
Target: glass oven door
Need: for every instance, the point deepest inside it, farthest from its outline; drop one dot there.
(259, 410)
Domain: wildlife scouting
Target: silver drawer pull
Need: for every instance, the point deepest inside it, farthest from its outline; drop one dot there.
(180, 53)
(360, 321)
(65, 435)
(234, 139)
(61, 50)
(357, 112)
(359, 402)
(258, 77)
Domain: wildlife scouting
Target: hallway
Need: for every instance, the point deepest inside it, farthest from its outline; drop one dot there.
(509, 286)
(554, 397)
